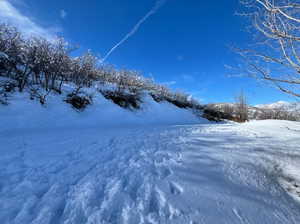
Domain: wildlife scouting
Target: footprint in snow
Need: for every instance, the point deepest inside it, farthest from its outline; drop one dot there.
(175, 189)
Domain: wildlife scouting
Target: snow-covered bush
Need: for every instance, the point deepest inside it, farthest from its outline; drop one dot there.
(7, 87)
(39, 93)
(124, 99)
(79, 99)
(212, 113)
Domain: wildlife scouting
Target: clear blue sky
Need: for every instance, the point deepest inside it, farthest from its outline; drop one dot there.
(184, 44)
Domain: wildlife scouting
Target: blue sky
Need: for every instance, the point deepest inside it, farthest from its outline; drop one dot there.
(183, 45)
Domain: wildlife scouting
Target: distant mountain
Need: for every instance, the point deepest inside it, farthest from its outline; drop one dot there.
(282, 105)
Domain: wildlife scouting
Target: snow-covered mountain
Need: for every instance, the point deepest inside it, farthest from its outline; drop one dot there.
(288, 106)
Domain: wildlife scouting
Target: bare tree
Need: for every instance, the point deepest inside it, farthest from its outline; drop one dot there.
(228, 109)
(275, 56)
(241, 107)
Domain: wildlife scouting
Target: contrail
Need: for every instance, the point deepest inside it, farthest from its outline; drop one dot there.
(157, 6)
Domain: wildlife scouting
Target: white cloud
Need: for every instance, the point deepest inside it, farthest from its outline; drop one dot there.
(10, 14)
(63, 14)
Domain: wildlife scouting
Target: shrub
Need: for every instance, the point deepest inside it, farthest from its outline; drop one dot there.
(216, 115)
(123, 99)
(79, 100)
(6, 88)
(38, 93)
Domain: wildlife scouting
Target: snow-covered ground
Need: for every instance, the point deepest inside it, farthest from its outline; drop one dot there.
(108, 165)
(288, 106)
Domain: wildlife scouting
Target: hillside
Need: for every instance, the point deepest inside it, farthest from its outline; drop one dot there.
(288, 106)
(41, 67)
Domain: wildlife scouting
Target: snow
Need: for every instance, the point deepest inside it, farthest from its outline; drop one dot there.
(158, 165)
(3, 55)
(275, 105)
(26, 114)
(288, 106)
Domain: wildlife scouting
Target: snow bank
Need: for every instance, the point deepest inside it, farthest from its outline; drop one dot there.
(23, 113)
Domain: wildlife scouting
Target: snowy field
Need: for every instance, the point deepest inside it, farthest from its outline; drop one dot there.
(61, 166)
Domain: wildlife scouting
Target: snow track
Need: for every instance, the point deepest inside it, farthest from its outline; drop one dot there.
(227, 173)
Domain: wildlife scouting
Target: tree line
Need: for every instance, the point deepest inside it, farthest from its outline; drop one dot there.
(43, 66)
